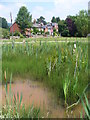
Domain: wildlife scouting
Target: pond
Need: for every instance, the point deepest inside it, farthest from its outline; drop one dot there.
(40, 96)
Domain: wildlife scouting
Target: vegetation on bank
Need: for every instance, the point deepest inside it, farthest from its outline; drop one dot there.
(15, 108)
(60, 66)
(38, 39)
(5, 34)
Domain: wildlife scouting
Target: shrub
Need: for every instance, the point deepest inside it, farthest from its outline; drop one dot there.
(5, 33)
(21, 36)
(42, 32)
(16, 33)
(46, 33)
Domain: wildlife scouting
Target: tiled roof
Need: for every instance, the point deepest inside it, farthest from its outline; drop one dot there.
(37, 25)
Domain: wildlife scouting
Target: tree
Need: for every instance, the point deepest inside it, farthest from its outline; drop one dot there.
(65, 33)
(53, 20)
(81, 22)
(57, 19)
(71, 26)
(62, 28)
(41, 20)
(4, 23)
(24, 18)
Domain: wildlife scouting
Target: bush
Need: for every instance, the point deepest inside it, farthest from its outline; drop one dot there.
(42, 32)
(21, 36)
(46, 33)
(16, 33)
(5, 33)
(35, 30)
(65, 33)
(54, 30)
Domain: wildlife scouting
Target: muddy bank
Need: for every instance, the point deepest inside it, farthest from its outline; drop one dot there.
(38, 95)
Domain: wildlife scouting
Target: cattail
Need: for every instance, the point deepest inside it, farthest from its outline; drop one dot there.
(5, 75)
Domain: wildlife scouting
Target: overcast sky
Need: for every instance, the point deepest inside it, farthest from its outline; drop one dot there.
(46, 8)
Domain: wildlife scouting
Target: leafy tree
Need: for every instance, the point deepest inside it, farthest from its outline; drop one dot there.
(71, 26)
(24, 18)
(53, 20)
(4, 23)
(65, 33)
(81, 22)
(41, 20)
(57, 19)
(61, 26)
(88, 21)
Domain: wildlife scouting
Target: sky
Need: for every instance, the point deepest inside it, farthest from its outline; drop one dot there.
(45, 8)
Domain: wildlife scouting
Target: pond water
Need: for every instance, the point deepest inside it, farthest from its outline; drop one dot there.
(36, 93)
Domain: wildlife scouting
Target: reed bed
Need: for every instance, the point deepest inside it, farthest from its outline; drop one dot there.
(63, 67)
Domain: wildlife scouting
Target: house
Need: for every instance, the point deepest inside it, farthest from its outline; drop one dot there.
(39, 26)
(50, 27)
(15, 27)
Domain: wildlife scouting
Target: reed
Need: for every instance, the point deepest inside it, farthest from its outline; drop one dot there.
(60, 68)
(15, 108)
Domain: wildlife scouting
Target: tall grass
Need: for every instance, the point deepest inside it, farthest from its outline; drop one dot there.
(15, 108)
(86, 106)
(60, 66)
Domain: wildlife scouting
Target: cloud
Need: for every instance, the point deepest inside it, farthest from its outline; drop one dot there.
(60, 8)
(37, 12)
(10, 7)
(68, 7)
(19, 4)
(1, 7)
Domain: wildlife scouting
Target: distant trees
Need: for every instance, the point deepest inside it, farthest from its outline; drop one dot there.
(4, 23)
(24, 18)
(74, 25)
(41, 20)
(81, 22)
(55, 20)
(71, 26)
(62, 28)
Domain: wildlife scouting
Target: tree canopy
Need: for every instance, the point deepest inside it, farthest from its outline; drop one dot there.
(55, 20)
(81, 22)
(41, 20)
(74, 25)
(4, 23)
(24, 18)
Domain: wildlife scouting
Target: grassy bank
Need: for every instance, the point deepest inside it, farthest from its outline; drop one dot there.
(63, 67)
(49, 39)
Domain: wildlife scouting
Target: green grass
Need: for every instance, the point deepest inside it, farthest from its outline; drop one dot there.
(49, 39)
(58, 65)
